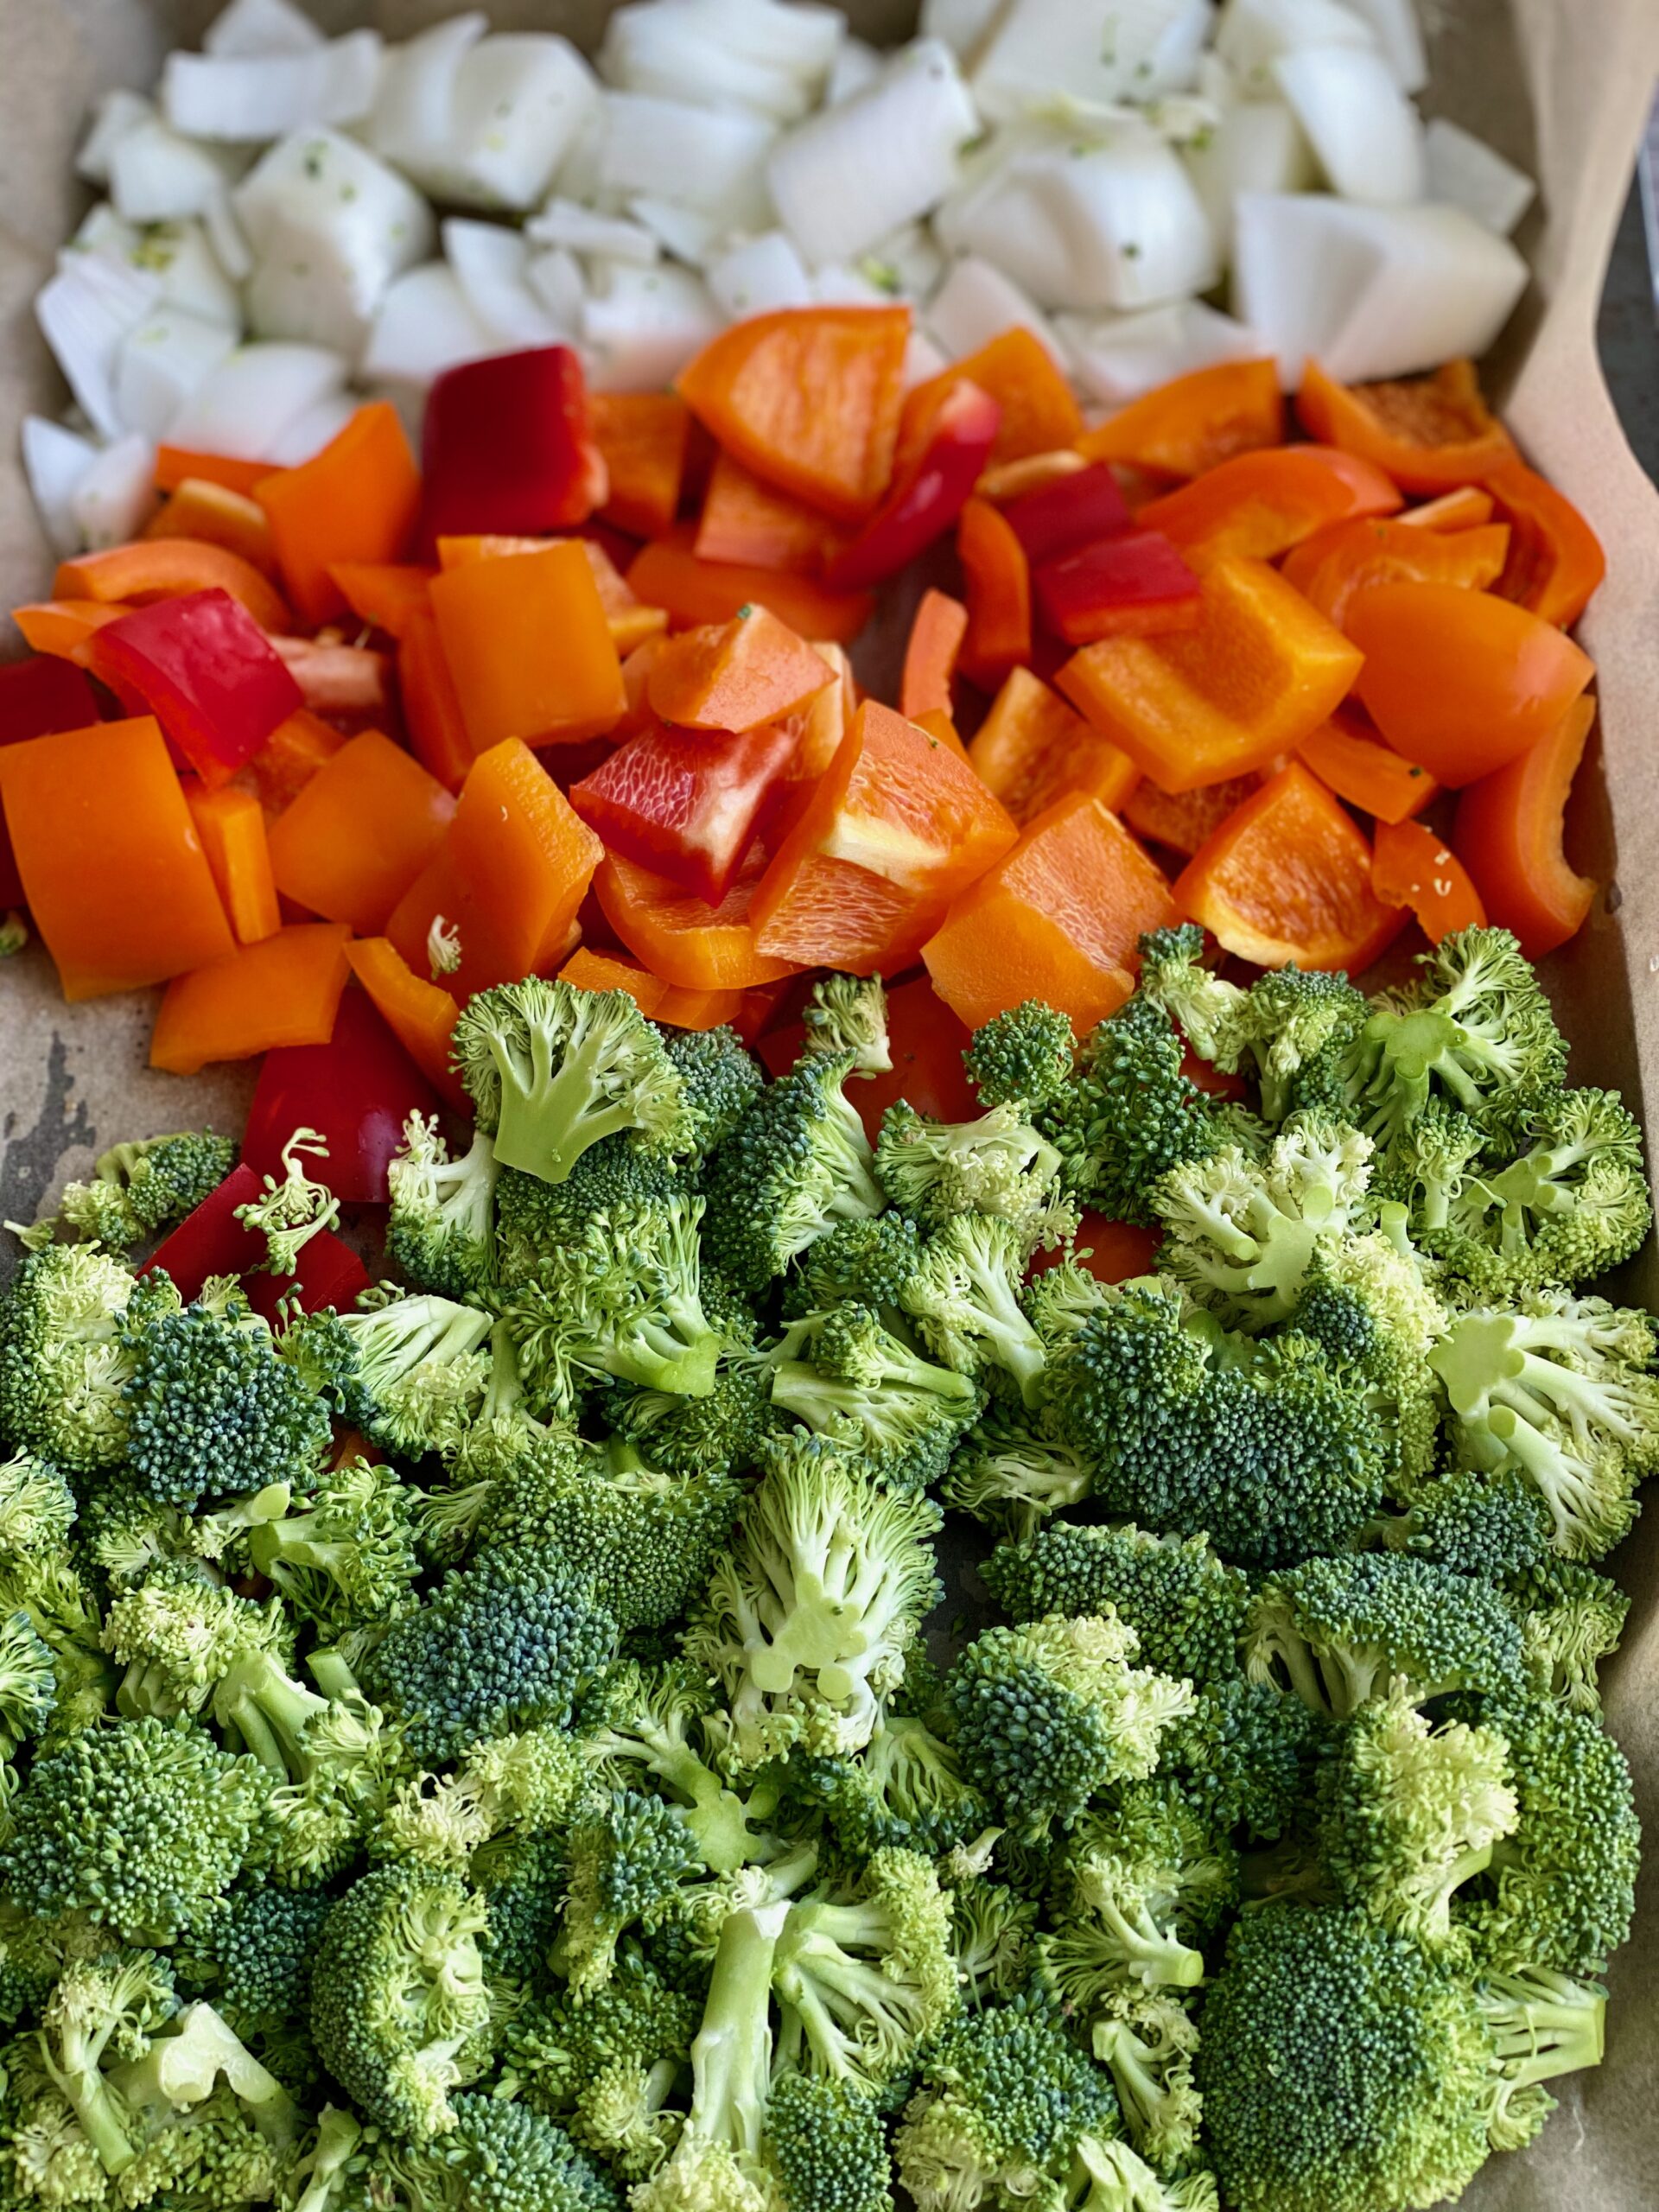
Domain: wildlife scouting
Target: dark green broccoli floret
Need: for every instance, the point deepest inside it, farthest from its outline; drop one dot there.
(999, 1165)
(534, 1220)
(1291, 1033)
(1022, 1057)
(628, 1855)
(797, 1163)
(62, 1360)
(906, 1788)
(139, 1188)
(655, 1725)
(440, 1231)
(1243, 1755)
(1571, 1619)
(727, 1433)
(604, 2064)
(854, 1383)
(350, 1556)
(722, 1079)
(522, 1880)
(1011, 1470)
(262, 1947)
(849, 1013)
(867, 1262)
(1368, 1307)
(1489, 1525)
(826, 2146)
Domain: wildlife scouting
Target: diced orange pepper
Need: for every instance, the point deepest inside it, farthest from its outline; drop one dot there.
(1461, 682)
(358, 500)
(1411, 867)
(1287, 877)
(1508, 832)
(1259, 672)
(1032, 749)
(1555, 559)
(1185, 820)
(230, 824)
(897, 827)
(746, 519)
(670, 574)
(603, 971)
(389, 595)
(170, 568)
(1040, 409)
(636, 681)
(437, 728)
(289, 759)
(735, 675)
(692, 945)
(111, 864)
(938, 725)
(420, 1015)
(641, 436)
(630, 621)
(1467, 508)
(1059, 918)
(175, 465)
(218, 516)
(1261, 504)
(1195, 422)
(931, 652)
(360, 832)
(65, 627)
(284, 990)
(823, 727)
(809, 398)
(997, 582)
(1348, 557)
(529, 647)
(1367, 774)
(1429, 434)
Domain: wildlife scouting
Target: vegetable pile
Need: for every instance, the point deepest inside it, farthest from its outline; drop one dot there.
(473, 1743)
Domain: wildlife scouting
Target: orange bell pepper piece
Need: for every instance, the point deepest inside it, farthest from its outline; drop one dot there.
(289, 759)
(66, 628)
(1032, 749)
(218, 516)
(358, 500)
(692, 945)
(1184, 821)
(170, 568)
(111, 862)
(1286, 877)
(630, 622)
(529, 647)
(1555, 559)
(1411, 867)
(936, 723)
(670, 574)
(736, 674)
(360, 832)
(809, 398)
(421, 1015)
(746, 519)
(897, 827)
(230, 824)
(1467, 508)
(679, 1009)
(1461, 682)
(389, 595)
(931, 653)
(1039, 411)
(1058, 918)
(284, 990)
(1261, 504)
(437, 729)
(1351, 556)
(176, 464)
(997, 580)
(1011, 480)
(1429, 434)
(1367, 774)
(1259, 671)
(1195, 422)
(641, 436)
(1507, 831)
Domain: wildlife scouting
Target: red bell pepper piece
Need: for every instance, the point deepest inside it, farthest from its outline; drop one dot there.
(329, 1274)
(211, 1241)
(1132, 586)
(686, 803)
(38, 697)
(508, 448)
(207, 671)
(356, 1092)
(1070, 511)
(926, 501)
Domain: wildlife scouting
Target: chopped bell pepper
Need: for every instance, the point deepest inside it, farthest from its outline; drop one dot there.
(208, 674)
(927, 496)
(642, 438)
(997, 586)
(1039, 411)
(1329, 568)
(685, 805)
(357, 500)
(1067, 513)
(327, 1273)
(289, 759)
(63, 629)
(1467, 508)
(386, 594)
(930, 655)
(1032, 748)
(1195, 422)
(284, 990)
(230, 824)
(1183, 821)
(509, 448)
(1261, 504)
(438, 735)
(420, 1015)
(218, 516)
(175, 465)
(675, 1008)
(356, 1090)
(355, 838)
(1555, 559)
(669, 574)
(748, 520)
(1508, 832)
(690, 944)
(1429, 434)
(735, 675)
(1411, 867)
(211, 1240)
(37, 697)
(171, 568)
(1135, 585)
(529, 647)
(1367, 774)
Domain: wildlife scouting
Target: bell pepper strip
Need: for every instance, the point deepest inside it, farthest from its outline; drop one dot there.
(735, 675)
(1429, 434)
(218, 516)
(176, 464)
(898, 826)
(1067, 513)
(387, 595)
(212, 1239)
(1467, 508)
(670, 574)
(206, 672)
(1039, 411)
(688, 942)
(1461, 682)
(171, 568)
(699, 1010)
(809, 398)
(359, 834)
(996, 584)
(930, 655)
(421, 1015)
(326, 1274)
(64, 628)
(432, 713)
(356, 1089)
(284, 990)
(685, 805)
(1112, 1251)
(38, 697)
(927, 496)
(1287, 877)
(1508, 833)
(746, 519)
(529, 647)
(1411, 866)
(1351, 556)
(1184, 821)
(1555, 559)
(1032, 749)
(678, 1009)
(1057, 919)
(819, 732)
(1132, 585)
(508, 446)
(358, 500)
(1261, 504)
(289, 759)
(1258, 672)
(1194, 422)
(641, 437)
(230, 824)
(1367, 775)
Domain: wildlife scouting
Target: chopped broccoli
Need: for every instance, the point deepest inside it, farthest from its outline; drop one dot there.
(294, 1207)
(999, 1166)
(1291, 1034)
(1489, 1526)
(654, 1726)
(139, 1188)
(628, 1855)
(797, 1163)
(1571, 1619)
(826, 2146)
(441, 1230)
(1144, 1885)
(1023, 1057)
(63, 1363)
(854, 1383)
(350, 1555)
(964, 1299)
(410, 1372)
(1149, 2042)
(1243, 1755)
(262, 1947)
(722, 1079)
(103, 2009)
(1012, 1470)
(849, 1013)
(906, 1788)
(534, 1220)
(37, 1510)
(28, 1682)
(867, 1262)
(1572, 1203)
(604, 2064)
(1541, 2025)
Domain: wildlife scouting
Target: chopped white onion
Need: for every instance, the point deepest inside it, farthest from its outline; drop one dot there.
(414, 100)
(582, 230)
(260, 96)
(689, 157)
(178, 255)
(644, 325)
(1465, 172)
(1395, 26)
(167, 356)
(753, 54)
(492, 266)
(1251, 34)
(1117, 358)
(84, 312)
(55, 461)
(960, 23)
(1362, 129)
(923, 359)
(116, 115)
(555, 278)
(157, 175)
(422, 327)
(260, 27)
(908, 265)
(1047, 51)
(520, 103)
(835, 285)
(845, 180)
(1256, 146)
(254, 395)
(976, 303)
(116, 495)
(760, 276)
(309, 433)
(685, 232)
(855, 65)
(224, 235)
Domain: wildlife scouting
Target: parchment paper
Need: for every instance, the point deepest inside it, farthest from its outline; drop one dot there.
(1560, 85)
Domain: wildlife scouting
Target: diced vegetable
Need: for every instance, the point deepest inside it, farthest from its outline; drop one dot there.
(1555, 560)
(1411, 867)
(930, 655)
(642, 438)
(529, 649)
(1261, 504)
(735, 675)
(685, 805)
(356, 501)
(927, 496)
(357, 1089)
(354, 839)
(1330, 568)
(996, 577)
(681, 938)
(1429, 434)
(1135, 585)
(1196, 423)
(421, 1015)
(1032, 749)
(669, 574)
(208, 674)
(284, 990)
(230, 824)
(1365, 773)
(1508, 834)
(509, 448)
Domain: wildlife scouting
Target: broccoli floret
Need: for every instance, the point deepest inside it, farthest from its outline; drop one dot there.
(1107, 2176)
(1489, 1526)
(1541, 2025)
(208, 2123)
(350, 1555)
(552, 1070)
(1022, 1057)
(178, 1632)
(1012, 1470)
(441, 1233)
(999, 1166)
(1291, 1033)
(1207, 1010)
(262, 1946)
(855, 1383)
(536, 1220)
(653, 1727)
(28, 1681)
(63, 1363)
(727, 1433)
(410, 1372)
(1573, 1202)
(518, 1787)
(604, 2064)
(103, 2009)
(797, 1163)
(722, 1079)
(37, 1510)
(826, 2146)
(867, 1263)
(1143, 1886)
(1571, 1619)
(994, 1929)
(849, 1013)
(964, 1299)
(628, 1856)
(1243, 1755)
(138, 1189)
(1149, 2042)
(906, 1788)
(1428, 1167)
(59, 1607)
(292, 1207)
(1368, 1307)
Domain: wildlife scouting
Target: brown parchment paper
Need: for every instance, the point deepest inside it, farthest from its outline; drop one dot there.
(1560, 85)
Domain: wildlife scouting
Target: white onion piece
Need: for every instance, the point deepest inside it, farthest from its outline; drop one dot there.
(724, 53)
(225, 237)
(685, 232)
(1256, 146)
(415, 100)
(835, 285)
(760, 276)
(976, 303)
(192, 275)
(845, 180)
(1465, 172)
(960, 24)
(158, 175)
(1370, 292)
(1251, 34)
(116, 496)
(330, 226)
(1393, 24)
(1362, 129)
(908, 265)
(519, 104)
(583, 230)
(1045, 51)
(254, 395)
(798, 35)
(689, 157)
(923, 359)
(102, 231)
(555, 278)
(55, 461)
(257, 97)
(258, 27)
(854, 66)
(84, 312)
(117, 114)
(644, 325)
(169, 355)
(422, 327)
(491, 267)
(1117, 358)
(308, 433)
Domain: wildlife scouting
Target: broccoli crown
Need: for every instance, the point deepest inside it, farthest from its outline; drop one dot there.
(1012, 1471)
(999, 1166)
(1428, 1167)
(1207, 1010)
(351, 1555)
(1488, 1525)
(654, 1722)
(827, 2145)
(104, 2008)
(722, 1079)
(178, 1633)
(964, 1300)
(1571, 1619)
(557, 2050)
(28, 1681)
(1022, 1057)
(440, 1233)
(138, 1189)
(37, 1510)
(262, 1947)
(62, 1360)
(1146, 1884)
(1243, 1755)
(535, 1220)
(410, 1372)
(906, 1788)
(1148, 2042)
(848, 1378)
(505, 2157)
(1291, 1032)
(628, 1856)
(727, 1433)
(867, 1262)
(849, 1013)
(797, 1163)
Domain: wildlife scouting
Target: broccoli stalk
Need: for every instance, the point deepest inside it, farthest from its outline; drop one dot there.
(104, 2007)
